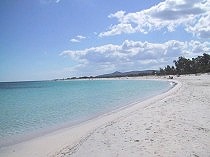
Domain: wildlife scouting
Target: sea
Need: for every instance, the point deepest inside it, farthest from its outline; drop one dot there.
(33, 108)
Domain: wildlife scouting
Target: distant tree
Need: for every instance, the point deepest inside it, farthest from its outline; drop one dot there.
(194, 66)
(205, 63)
(162, 71)
(167, 70)
(173, 70)
(183, 65)
(200, 64)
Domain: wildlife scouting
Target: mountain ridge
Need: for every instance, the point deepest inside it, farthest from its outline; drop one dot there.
(129, 73)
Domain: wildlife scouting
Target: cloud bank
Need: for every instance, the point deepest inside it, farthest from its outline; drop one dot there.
(133, 55)
(193, 15)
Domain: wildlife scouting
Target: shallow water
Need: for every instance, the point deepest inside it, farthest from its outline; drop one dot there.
(28, 108)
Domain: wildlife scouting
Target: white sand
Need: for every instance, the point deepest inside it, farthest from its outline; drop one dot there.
(176, 123)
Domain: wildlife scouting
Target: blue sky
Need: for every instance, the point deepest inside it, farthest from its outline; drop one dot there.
(47, 39)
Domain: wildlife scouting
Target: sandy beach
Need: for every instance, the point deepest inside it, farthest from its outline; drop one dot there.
(172, 124)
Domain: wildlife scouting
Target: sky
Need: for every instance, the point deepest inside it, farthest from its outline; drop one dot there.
(48, 39)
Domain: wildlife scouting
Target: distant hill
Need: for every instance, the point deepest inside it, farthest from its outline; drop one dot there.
(128, 74)
(116, 74)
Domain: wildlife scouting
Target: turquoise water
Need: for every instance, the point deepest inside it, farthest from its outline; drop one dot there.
(30, 108)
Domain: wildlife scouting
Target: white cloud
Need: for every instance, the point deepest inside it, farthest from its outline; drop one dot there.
(192, 14)
(78, 38)
(201, 27)
(74, 40)
(81, 37)
(133, 55)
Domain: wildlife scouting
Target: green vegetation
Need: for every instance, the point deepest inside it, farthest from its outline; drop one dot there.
(200, 64)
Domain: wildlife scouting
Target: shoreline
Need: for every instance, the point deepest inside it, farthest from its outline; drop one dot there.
(74, 133)
(15, 140)
(175, 123)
